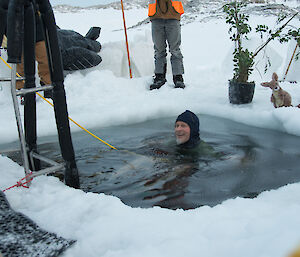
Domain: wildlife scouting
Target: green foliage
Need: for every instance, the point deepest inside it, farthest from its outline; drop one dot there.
(243, 64)
(291, 34)
(239, 30)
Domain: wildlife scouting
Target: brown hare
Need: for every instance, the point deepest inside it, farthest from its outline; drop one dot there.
(279, 97)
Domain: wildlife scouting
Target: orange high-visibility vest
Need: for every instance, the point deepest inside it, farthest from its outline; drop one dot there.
(175, 3)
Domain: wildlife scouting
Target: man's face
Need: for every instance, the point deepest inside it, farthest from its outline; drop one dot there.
(182, 132)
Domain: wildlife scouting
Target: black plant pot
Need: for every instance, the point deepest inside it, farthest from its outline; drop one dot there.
(241, 92)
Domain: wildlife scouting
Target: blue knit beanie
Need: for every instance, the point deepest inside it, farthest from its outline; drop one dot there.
(192, 120)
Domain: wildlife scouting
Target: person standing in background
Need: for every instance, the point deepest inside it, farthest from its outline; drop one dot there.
(165, 20)
(40, 56)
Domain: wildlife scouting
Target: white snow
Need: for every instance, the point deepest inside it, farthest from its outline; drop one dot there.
(105, 96)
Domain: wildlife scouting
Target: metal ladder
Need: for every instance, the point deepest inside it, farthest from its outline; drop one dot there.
(28, 157)
(18, 20)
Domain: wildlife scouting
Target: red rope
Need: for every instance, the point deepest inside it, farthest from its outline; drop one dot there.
(20, 183)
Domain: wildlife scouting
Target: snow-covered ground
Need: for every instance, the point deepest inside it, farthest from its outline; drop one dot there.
(105, 96)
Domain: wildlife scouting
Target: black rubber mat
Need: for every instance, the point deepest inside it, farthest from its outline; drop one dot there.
(20, 236)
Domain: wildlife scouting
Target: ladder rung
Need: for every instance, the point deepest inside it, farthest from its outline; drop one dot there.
(43, 158)
(9, 79)
(25, 91)
(46, 171)
(55, 166)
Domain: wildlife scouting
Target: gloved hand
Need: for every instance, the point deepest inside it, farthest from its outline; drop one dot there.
(79, 52)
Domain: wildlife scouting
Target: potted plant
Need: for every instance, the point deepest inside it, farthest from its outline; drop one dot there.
(240, 90)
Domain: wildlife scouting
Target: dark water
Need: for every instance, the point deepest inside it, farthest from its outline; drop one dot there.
(147, 170)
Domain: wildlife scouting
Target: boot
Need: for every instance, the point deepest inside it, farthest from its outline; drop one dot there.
(159, 81)
(178, 81)
(48, 94)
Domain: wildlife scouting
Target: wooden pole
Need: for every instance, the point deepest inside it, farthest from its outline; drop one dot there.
(287, 70)
(129, 65)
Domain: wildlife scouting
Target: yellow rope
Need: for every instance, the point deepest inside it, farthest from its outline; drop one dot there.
(68, 117)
